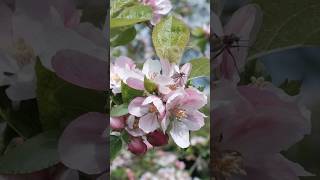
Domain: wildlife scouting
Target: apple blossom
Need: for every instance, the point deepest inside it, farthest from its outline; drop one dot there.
(182, 108)
(123, 69)
(253, 124)
(150, 110)
(17, 60)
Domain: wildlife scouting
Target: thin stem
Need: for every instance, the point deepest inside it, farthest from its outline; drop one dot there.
(4, 117)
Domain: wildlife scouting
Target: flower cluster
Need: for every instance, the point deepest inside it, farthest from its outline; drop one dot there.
(167, 104)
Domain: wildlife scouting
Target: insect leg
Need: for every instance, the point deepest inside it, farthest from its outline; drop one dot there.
(234, 60)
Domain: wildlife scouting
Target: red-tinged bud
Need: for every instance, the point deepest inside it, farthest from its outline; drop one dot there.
(117, 123)
(157, 138)
(137, 146)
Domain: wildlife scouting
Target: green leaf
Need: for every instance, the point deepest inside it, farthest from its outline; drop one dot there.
(35, 154)
(170, 37)
(61, 102)
(118, 5)
(129, 93)
(198, 32)
(287, 24)
(115, 146)
(200, 67)
(122, 36)
(119, 110)
(149, 85)
(131, 15)
(125, 137)
(291, 87)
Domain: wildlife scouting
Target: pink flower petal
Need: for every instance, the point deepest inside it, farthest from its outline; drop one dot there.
(149, 122)
(216, 25)
(82, 145)
(6, 25)
(81, 69)
(136, 108)
(194, 120)
(135, 83)
(186, 69)
(263, 168)
(124, 62)
(194, 99)
(157, 102)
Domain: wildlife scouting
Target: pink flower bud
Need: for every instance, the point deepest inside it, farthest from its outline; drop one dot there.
(157, 138)
(117, 123)
(137, 146)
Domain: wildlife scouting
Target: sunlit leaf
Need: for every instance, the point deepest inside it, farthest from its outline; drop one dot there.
(131, 15)
(170, 37)
(200, 67)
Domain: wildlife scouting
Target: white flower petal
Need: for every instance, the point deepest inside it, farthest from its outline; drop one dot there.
(180, 134)
(149, 122)
(151, 68)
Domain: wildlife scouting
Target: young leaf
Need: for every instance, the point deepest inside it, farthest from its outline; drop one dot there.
(200, 67)
(291, 87)
(119, 110)
(37, 153)
(131, 15)
(115, 146)
(149, 85)
(170, 37)
(129, 93)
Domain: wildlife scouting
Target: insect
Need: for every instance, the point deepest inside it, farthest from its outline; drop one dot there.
(178, 76)
(239, 32)
(225, 43)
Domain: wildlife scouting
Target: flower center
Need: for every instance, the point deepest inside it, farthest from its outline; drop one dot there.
(180, 113)
(136, 124)
(173, 87)
(258, 82)
(23, 53)
(228, 163)
(115, 77)
(153, 108)
(153, 75)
